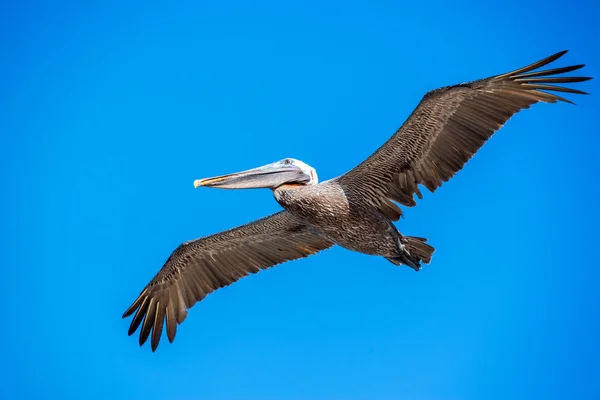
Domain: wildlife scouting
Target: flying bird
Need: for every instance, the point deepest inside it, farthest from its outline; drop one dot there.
(355, 210)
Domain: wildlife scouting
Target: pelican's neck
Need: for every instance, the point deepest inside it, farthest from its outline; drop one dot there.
(284, 194)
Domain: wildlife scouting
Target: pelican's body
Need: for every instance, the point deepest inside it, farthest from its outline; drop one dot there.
(356, 210)
(345, 219)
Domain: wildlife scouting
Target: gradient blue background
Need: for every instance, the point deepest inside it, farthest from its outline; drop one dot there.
(108, 112)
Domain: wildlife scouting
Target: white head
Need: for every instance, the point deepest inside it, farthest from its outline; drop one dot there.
(286, 171)
(305, 168)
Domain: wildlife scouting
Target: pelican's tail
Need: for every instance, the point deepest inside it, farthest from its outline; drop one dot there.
(414, 252)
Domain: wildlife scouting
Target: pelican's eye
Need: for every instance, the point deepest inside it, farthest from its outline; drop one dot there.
(287, 161)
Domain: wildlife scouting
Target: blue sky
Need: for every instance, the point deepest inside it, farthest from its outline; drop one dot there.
(108, 112)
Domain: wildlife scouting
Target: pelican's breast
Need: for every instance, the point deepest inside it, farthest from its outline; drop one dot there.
(324, 204)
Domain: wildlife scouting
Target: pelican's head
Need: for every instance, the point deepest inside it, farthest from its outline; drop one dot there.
(286, 171)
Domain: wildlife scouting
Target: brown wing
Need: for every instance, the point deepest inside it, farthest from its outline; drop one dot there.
(447, 128)
(199, 267)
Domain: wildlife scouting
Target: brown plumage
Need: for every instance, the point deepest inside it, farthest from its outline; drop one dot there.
(355, 210)
(448, 127)
(201, 266)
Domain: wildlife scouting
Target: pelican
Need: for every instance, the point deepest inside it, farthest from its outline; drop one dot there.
(355, 210)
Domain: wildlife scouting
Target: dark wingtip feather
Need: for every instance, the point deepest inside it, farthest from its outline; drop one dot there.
(553, 71)
(554, 79)
(555, 88)
(157, 327)
(556, 56)
(154, 342)
(541, 82)
(148, 322)
(171, 321)
(138, 317)
(134, 306)
(533, 66)
(561, 53)
(132, 329)
(171, 331)
(171, 335)
(563, 99)
(143, 336)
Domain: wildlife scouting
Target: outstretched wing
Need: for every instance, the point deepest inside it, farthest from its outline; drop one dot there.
(199, 267)
(448, 126)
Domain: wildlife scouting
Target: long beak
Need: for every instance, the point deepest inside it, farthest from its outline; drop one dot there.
(267, 176)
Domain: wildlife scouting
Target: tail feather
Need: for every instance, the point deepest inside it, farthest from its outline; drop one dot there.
(418, 248)
(416, 251)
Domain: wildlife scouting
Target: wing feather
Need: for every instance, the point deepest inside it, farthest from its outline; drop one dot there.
(197, 268)
(448, 127)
